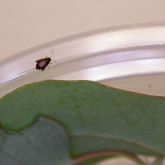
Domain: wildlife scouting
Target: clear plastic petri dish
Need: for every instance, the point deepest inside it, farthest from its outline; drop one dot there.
(129, 57)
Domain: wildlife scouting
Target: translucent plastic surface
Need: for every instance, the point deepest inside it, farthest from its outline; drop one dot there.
(130, 57)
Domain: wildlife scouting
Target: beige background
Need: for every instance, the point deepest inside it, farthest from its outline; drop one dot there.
(27, 23)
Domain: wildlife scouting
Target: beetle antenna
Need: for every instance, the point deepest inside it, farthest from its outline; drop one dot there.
(51, 56)
(52, 52)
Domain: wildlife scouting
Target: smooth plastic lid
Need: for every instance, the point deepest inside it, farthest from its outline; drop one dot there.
(129, 55)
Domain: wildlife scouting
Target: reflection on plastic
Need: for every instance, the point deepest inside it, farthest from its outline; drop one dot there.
(99, 56)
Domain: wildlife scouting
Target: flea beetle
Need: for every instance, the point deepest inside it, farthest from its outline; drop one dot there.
(41, 64)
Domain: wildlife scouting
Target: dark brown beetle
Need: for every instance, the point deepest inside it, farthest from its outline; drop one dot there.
(41, 64)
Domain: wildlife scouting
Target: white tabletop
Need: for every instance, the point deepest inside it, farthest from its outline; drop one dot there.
(27, 23)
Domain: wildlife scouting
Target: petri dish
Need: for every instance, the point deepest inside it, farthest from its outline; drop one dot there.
(130, 57)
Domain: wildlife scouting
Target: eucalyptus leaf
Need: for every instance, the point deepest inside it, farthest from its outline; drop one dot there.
(45, 143)
(95, 117)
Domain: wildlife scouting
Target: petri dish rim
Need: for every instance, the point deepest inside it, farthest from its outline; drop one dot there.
(137, 48)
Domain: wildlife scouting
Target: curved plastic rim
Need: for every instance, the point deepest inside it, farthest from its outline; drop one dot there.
(99, 55)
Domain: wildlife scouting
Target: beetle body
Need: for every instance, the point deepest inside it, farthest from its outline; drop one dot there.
(41, 64)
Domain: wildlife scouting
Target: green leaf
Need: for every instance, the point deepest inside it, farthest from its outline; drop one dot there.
(45, 143)
(96, 118)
